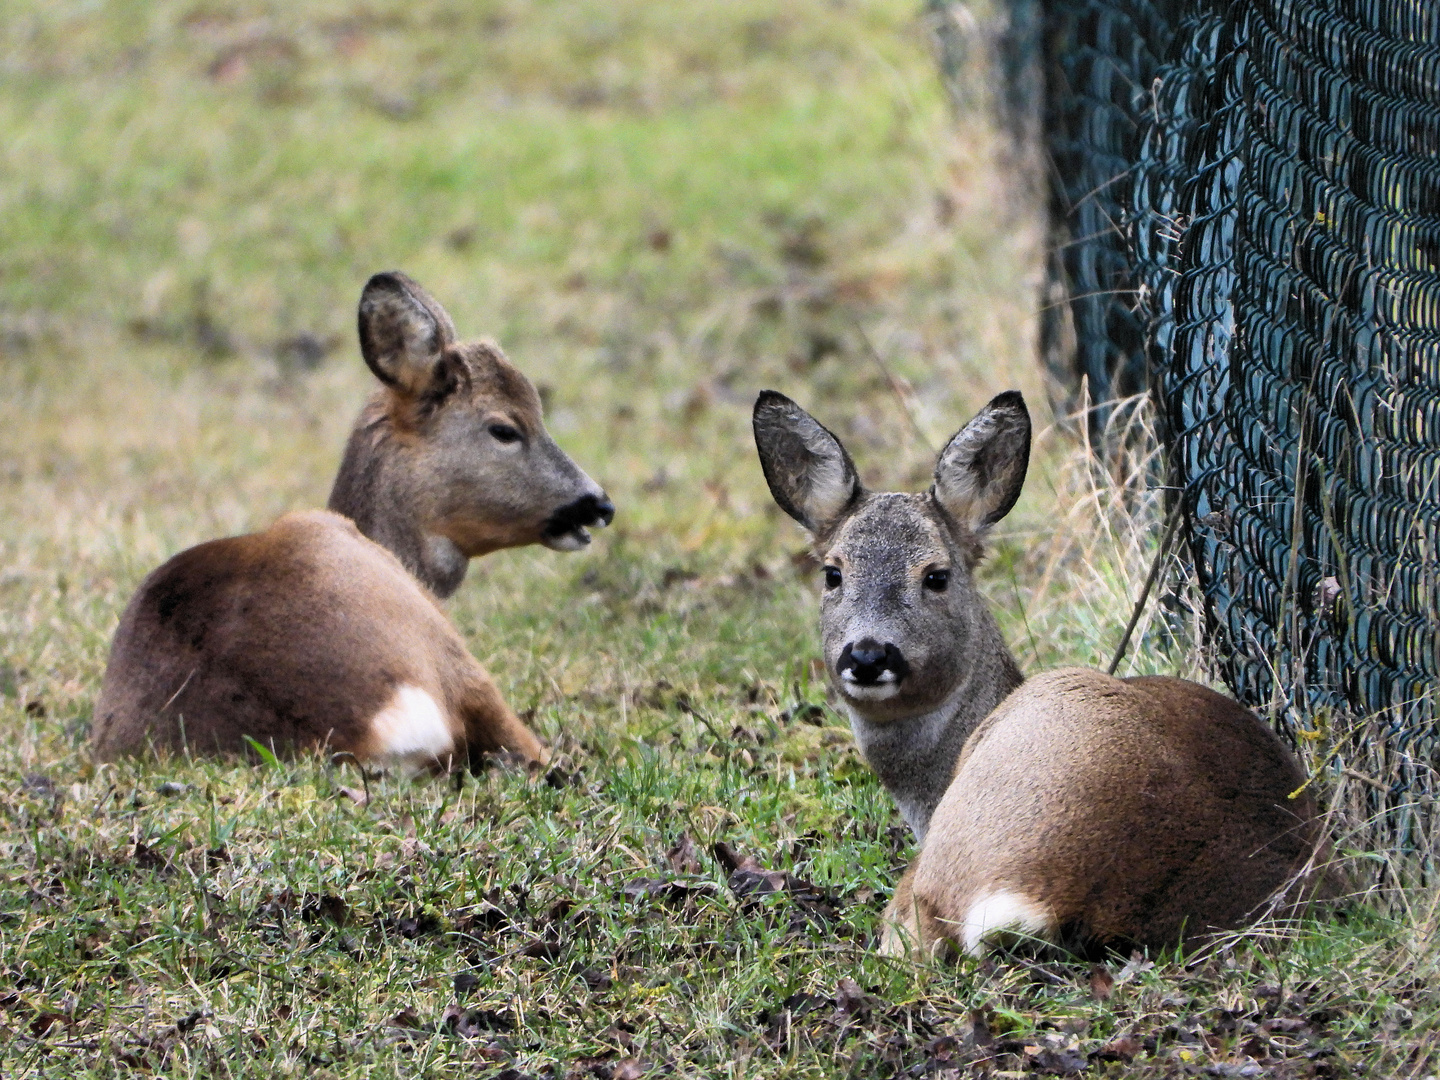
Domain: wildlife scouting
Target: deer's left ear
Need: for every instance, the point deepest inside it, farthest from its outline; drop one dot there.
(979, 474)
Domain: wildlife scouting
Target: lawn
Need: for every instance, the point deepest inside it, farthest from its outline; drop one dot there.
(658, 209)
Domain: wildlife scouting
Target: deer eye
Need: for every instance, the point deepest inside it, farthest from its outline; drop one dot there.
(832, 577)
(937, 580)
(504, 433)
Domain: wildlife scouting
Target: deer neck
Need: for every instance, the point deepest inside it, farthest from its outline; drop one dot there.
(378, 495)
(915, 756)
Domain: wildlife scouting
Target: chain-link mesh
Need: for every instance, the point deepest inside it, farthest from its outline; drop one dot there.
(1099, 59)
(1246, 218)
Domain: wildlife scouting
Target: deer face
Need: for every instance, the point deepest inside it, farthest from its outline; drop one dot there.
(469, 457)
(899, 607)
(493, 475)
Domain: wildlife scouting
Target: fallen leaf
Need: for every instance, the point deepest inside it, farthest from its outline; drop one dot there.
(1058, 1062)
(542, 949)
(1136, 965)
(1102, 983)
(749, 877)
(472, 1023)
(147, 858)
(682, 857)
(805, 713)
(560, 778)
(1285, 1024)
(596, 979)
(980, 1028)
(324, 906)
(850, 1000)
(627, 1069)
(669, 891)
(414, 926)
(940, 1052)
(482, 919)
(750, 881)
(44, 1021)
(1124, 1048)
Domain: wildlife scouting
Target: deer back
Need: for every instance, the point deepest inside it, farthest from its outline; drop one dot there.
(304, 635)
(1103, 812)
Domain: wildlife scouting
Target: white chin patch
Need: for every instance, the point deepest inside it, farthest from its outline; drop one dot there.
(411, 731)
(1003, 914)
(874, 692)
(573, 540)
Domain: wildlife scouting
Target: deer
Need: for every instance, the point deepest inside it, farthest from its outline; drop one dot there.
(1072, 809)
(325, 630)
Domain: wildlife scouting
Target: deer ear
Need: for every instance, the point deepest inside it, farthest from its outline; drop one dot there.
(403, 334)
(980, 472)
(809, 473)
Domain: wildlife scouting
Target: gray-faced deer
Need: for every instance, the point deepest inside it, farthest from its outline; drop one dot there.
(324, 630)
(1076, 807)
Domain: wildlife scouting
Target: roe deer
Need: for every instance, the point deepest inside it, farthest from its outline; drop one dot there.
(1075, 807)
(319, 631)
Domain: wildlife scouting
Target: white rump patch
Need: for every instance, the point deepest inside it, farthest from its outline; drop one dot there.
(1000, 913)
(411, 729)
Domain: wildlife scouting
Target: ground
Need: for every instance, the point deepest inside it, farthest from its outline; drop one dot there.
(657, 209)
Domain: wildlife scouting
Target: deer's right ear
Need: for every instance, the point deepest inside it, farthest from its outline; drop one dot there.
(403, 334)
(809, 473)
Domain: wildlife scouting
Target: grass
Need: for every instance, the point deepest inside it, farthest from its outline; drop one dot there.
(658, 209)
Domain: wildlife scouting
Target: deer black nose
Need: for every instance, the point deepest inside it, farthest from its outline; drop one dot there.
(586, 510)
(867, 652)
(603, 509)
(867, 662)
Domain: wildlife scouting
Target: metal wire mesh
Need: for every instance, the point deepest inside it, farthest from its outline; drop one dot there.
(1246, 218)
(1099, 59)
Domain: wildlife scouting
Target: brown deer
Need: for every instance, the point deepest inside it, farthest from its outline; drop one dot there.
(1075, 807)
(324, 630)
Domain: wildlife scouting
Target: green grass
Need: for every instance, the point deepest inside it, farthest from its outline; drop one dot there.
(658, 209)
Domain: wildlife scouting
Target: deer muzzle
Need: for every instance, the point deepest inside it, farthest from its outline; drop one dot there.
(869, 669)
(568, 529)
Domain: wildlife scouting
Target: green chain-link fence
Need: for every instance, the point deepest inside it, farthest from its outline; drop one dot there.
(1245, 218)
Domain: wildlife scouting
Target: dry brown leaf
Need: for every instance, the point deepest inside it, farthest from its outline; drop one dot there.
(1123, 1048)
(1102, 983)
(682, 857)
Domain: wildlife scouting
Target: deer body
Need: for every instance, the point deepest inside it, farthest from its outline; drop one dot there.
(1074, 807)
(324, 629)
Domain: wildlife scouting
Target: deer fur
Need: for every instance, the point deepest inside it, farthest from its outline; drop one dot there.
(324, 630)
(1073, 807)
